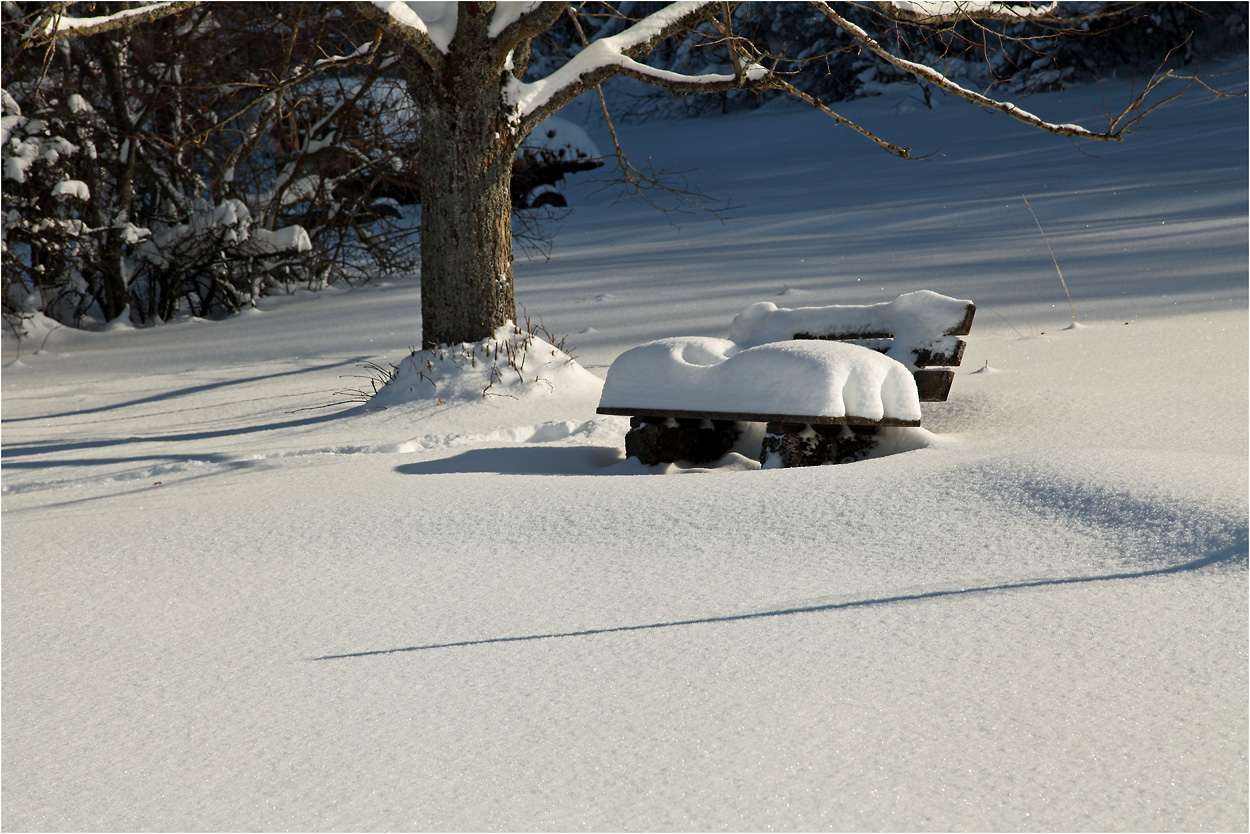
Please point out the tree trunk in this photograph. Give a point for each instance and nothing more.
(466, 235)
(116, 291)
(466, 204)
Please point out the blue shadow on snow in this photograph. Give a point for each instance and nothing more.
(1233, 554)
(522, 460)
(181, 392)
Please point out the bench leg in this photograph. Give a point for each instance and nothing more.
(659, 440)
(796, 444)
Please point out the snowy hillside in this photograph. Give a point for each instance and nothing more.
(223, 611)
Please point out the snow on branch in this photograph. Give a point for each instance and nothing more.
(509, 14)
(937, 79)
(363, 54)
(401, 21)
(56, 26)
(435, 20)
(515, 23)
(616, 55)
(932, 13)
(709, 82)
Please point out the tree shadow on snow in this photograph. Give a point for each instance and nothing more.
(1235, 554)
(164, 396)
(34, 448)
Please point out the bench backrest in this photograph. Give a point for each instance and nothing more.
(918, 329)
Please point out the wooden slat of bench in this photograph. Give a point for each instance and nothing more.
(965, 327)
(921, 357)
(882, 340)
(745, 417)
(962, 327)
(934, 386)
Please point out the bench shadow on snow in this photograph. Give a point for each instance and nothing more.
(525, 460)
(605, 460)
(564, 460)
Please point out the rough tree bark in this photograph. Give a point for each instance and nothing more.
(467, 148)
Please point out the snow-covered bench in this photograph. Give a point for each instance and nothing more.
(823, 379)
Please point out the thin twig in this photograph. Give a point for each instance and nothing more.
(1052, 256)
(897, 150)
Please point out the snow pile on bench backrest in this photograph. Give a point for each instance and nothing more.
(917, 321)
(799, 378)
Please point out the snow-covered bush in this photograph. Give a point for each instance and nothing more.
(216, 258)
(70, 251)
(140, 169)
(108, 212)
(343, 164)
(47, 232)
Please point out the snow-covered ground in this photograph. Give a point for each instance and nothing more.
(223, 612)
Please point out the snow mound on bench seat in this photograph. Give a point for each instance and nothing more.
(807, 378)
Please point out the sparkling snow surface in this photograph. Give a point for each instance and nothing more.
(223, 613)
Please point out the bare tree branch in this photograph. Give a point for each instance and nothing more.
(1131, 115)
(365, 54)
(890, 147)
(927, 73)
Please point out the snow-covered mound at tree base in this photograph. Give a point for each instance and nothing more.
(798, 378)
(514, 363)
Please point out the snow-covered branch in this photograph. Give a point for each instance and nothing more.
(680, 82)
(514, 22)
(363, 54)
(401, 22)
(56, 26)
(617, 54)
(944, 11)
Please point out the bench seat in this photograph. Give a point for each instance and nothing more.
(655, 414)
(828, 382)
